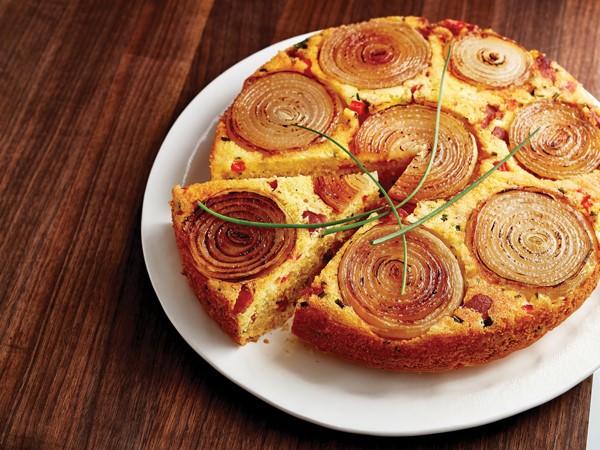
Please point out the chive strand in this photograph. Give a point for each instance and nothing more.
(381, 188)
(282, 225)
(456, 197)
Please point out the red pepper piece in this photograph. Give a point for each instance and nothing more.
(238, 166)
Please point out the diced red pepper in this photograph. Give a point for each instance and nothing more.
(527, 306)
(238, 166)
(273, 184)
(586, 202)
(358, 107)
(503, 168)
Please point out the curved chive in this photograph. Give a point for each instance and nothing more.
(456, 197)
(381, 188)
(282, 225)
(427, 169)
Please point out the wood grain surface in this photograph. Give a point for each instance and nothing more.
(89, 89)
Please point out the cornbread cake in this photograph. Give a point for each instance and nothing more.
(248, 278)
(497, 251)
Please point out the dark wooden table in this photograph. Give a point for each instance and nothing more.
(89, 89)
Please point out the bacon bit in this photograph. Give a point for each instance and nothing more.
(365, 198)
(238, 166)
(273, 184)
(503, 168)
(501, 133)
(545, 67)
(480, 303)
(334, 191)
(456, 26)
(492, 112)
(314, 217)
(244, 300)
(527, 306)
(312, 290)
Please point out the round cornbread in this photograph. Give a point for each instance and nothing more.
(493, 90)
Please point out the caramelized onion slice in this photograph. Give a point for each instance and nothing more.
(370, 279)
(375, 54)
(335, 191)
(232, 252)
(566, 145)
(402, 131)
(260, 116)
(490, 60)
(531, 237)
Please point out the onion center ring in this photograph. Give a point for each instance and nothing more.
(566, 145)
(261, 115)
(490, 60)
(530, 237)
(232, 252)
(370, 278)
(373, 55)
(408, 132)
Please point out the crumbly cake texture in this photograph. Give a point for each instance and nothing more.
(248, 309)
(512, 315)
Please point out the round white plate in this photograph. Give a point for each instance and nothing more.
(318, 388)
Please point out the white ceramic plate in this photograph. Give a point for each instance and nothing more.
(321, 389)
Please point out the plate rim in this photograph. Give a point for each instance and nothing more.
(250, 64)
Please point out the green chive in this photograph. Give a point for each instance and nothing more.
(383, 191)
(456, 197)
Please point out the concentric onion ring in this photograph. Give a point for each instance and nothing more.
(409, 130)
(232, 252)
(373, 55)
(370, 279)
(566, 145)
(531, 237)
(261, 114)
(490, 60)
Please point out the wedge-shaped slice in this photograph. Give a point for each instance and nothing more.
(248, 277)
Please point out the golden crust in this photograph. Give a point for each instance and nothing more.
(516, 317)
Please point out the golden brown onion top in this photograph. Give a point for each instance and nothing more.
(566, 145)
(409, 130)
(260, 116)
(370, 279)
(376, 54)
(531, 237)
(232, 252)
(490, 60)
